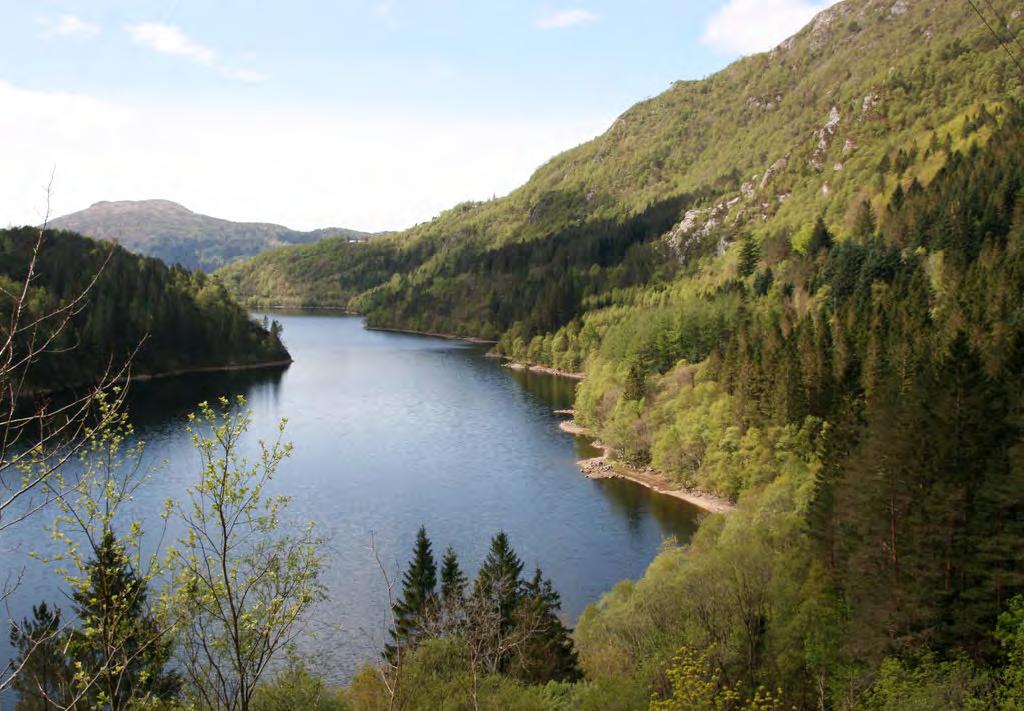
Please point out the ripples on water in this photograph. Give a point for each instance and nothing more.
(392, 431)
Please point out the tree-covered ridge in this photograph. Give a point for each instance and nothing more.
(840, 113)
(162, 318)
(176, 235)
(861, 397)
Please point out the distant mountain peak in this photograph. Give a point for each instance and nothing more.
(171, 232)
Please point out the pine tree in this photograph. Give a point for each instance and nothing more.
(453, 582)
(119, 641)
(418, 589)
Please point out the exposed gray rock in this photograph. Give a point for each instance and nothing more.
(773, 170)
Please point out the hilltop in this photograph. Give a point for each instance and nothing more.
(176, 235)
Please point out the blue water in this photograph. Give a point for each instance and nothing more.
(392, 431)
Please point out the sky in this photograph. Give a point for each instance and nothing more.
(368, 114)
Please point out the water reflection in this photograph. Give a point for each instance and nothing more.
(394, 431)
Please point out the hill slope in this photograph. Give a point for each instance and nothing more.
(176, 235)
(182, 320)
(836, 114)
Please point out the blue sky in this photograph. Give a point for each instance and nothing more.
(371, 114)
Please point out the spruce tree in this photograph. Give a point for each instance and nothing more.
(864, 223)
(750, 253)
(453, 582)
(499, 577)
(120, 642)
(549, 655)
(418, 589)
(821, 238)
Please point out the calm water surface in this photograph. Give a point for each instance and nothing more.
(392, 431)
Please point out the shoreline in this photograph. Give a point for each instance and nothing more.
(145, 377)
(516, 365)
(432, 334)
(604, 467)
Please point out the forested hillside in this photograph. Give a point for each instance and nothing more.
(181, 319)
(837, 114)
(176, 235)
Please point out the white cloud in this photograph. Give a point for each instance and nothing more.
(67, 26)
(565, 18)
(302, 168)
(749, 26)
(168, 39)
(246, 76)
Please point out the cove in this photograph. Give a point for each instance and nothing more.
(393, 431)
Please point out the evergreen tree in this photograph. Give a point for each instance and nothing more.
(120, 642)
(636, 382)
(44, 682)
(453, 582)
(418, 589)
(821, 238)
(499, 577)
(864, 223)
(750, 253)
(549, 655)
(896, 201)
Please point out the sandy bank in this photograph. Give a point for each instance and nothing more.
(515, 365)
(604, 467)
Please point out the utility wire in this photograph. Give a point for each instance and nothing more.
(996, 35)
(1006, 24)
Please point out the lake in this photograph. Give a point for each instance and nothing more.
(393, 431)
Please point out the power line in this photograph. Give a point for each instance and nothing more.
(996, 35)
(1005, 23)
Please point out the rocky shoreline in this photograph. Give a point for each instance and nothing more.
(516, 365)
(605, 467)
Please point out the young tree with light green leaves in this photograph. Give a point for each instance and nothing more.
(118, 653)
(243, 579)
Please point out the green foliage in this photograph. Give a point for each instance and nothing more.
(698, 686)
(825, 122)
(864, 419)
(502, 646)
(118, 655)
(453, 581)
(46, 676)
(163, 319)
(242, 582)
(296, 687)
(418, 591)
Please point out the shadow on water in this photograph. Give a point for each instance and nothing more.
(154, 402)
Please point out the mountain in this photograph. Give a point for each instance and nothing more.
(176, 235)
(797, 284)
(766, 144)
(163, 319)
